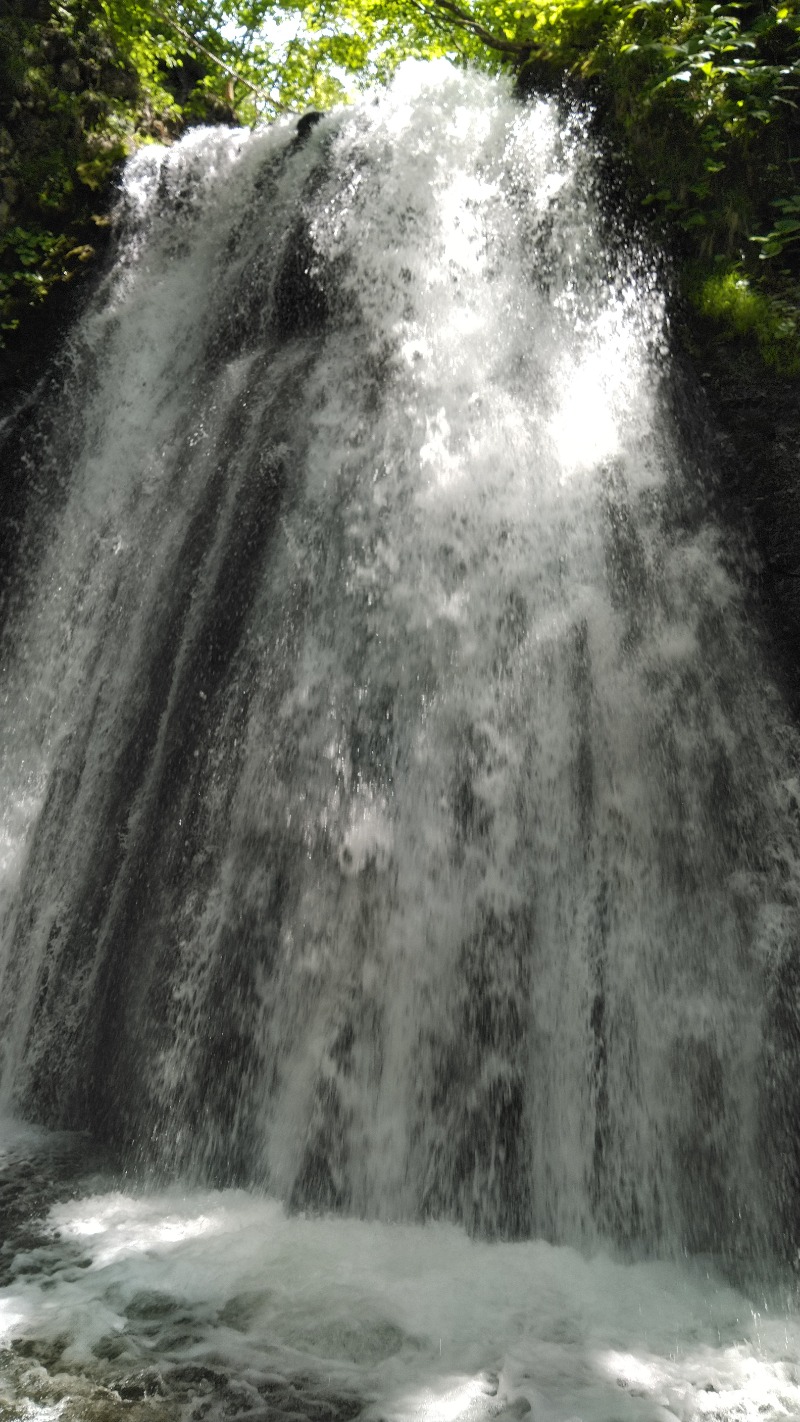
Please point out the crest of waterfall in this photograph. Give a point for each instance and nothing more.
(396, 813)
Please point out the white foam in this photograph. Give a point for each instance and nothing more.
(417, 1320)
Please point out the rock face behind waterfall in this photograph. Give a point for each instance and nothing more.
(396, 814)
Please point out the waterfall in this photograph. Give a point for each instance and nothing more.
(398, 818)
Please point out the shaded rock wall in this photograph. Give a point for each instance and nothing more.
(752, 428)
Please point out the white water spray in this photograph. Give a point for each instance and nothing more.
(395, 814)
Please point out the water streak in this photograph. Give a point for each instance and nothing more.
(396, 814)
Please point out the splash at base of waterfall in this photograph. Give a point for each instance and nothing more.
(217, 1304)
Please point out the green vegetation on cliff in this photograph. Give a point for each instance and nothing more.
(77, 93)
(700, 100)
(82, 82)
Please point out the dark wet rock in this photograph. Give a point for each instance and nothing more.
(178, 1338)
(322, 1181)
(34, 1175)
(111, 1347)
(300, 303)
(255, 1397)
(151, 1304)
(472, 817)
(479, 1092)
(753, 441)
(512, 628)
(700, 1144)
(198, 1375)
(45, 1353)
(241, 1398)
(520, 1407)
(241, 1309)
(307, 1397)
(136, 1386)
(305, 125)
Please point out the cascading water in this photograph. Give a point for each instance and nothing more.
(397, 818)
